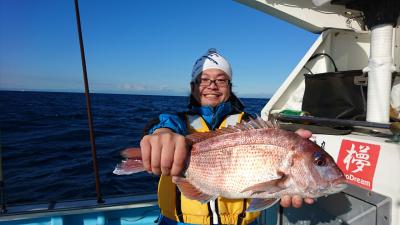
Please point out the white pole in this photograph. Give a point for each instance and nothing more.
(380, 68)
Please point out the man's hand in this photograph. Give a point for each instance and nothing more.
(296, 201)
(164, 152)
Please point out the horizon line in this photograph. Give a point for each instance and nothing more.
(122, 93)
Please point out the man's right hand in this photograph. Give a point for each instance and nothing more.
(164, 152)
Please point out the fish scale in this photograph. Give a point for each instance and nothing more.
(233, 169)
(274, 137)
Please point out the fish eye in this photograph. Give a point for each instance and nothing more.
(320, 162)
(319, 159)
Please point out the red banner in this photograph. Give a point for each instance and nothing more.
(358, 161)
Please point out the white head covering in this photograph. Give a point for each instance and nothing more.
(211, 60)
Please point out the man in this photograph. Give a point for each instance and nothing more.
(164, 151)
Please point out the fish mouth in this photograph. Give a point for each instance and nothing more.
(339, 187)
(339, 184)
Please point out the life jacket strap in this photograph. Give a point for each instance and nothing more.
(178, 207)
(242, 215)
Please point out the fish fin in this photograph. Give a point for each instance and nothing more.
(273, 119)
(199, 136)
(190, 191)
(129, 166)
(258, 204)
(271, 186)
(132, 153)
(252, 124)
(257, 123)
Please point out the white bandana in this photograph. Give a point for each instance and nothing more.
(211, 60)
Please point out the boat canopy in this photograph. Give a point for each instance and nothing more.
(319, 15)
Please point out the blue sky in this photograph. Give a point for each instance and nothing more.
(142, 46)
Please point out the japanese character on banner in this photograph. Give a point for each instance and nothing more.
(360, 158)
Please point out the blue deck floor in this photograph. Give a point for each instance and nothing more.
(136, 216)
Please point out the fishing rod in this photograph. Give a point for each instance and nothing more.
(322, 125)
(331, 121)
(88, 105)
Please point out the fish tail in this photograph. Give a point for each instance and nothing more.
(129, 166)
(131, 153)
(132, 164)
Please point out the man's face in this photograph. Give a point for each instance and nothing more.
(211, 94)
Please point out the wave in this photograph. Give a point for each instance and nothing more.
(46, 146)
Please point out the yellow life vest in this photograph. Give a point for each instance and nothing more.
(177, 207)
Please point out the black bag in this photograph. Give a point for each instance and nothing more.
(339, 94)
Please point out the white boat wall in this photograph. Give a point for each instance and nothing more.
(368, 154)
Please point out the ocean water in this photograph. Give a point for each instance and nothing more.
(46, 150)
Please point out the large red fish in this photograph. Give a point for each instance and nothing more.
(251, 160)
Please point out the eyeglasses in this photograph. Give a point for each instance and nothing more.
(204, 82)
